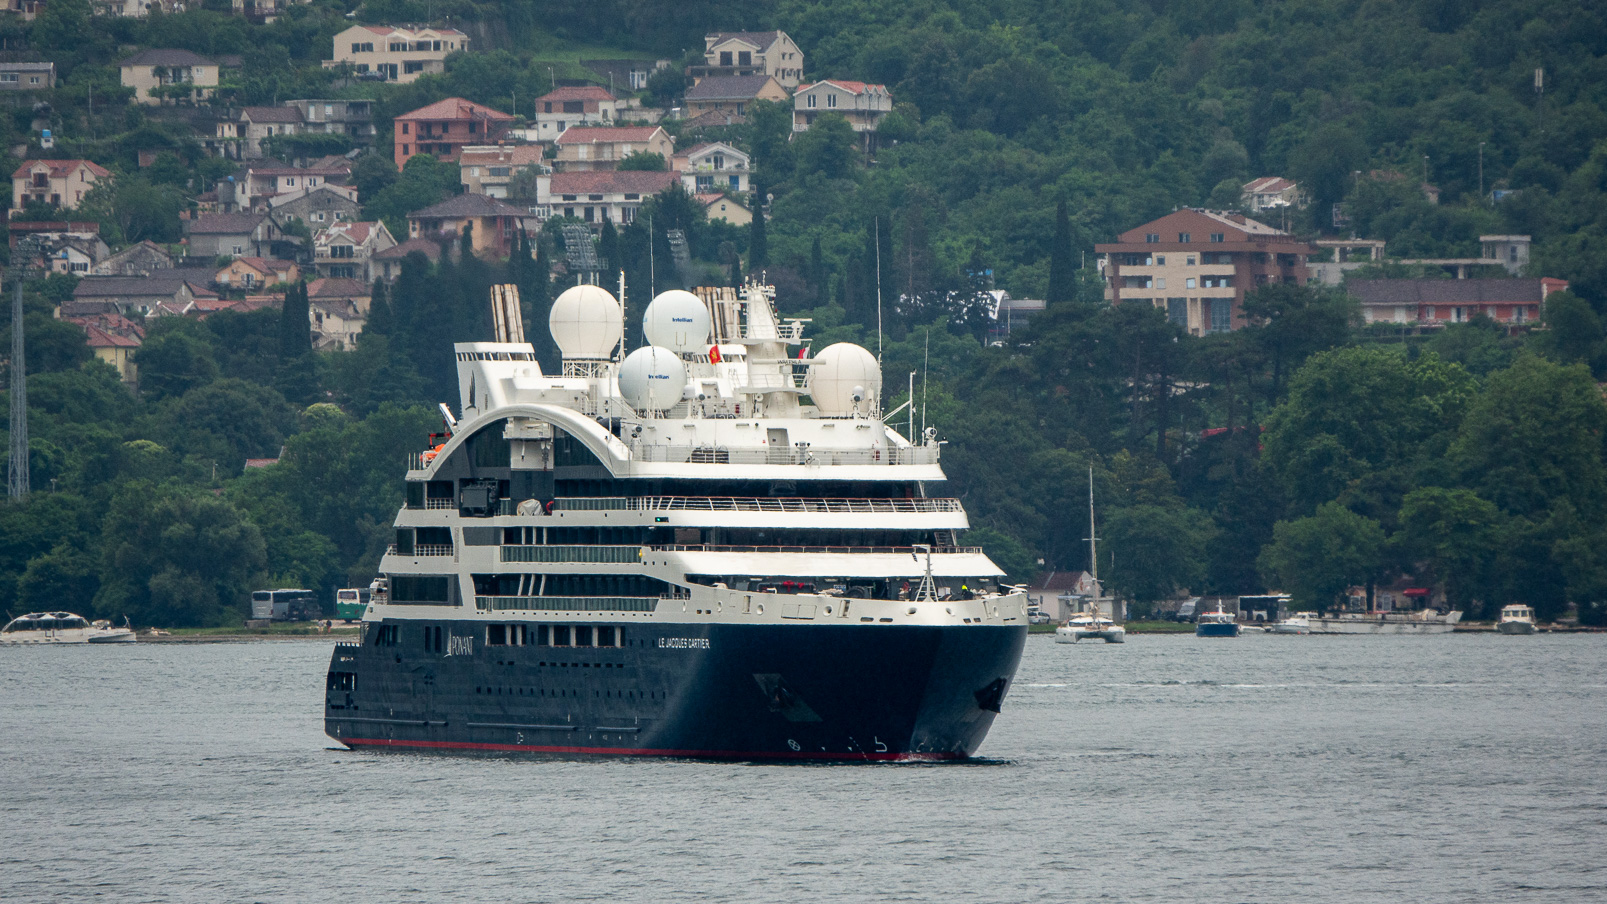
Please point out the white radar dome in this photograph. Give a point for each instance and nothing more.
(586, 322)
(652, 378)
(677, 320)
(839, 373)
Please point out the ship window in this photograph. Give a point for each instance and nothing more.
(385, 636)
(543, 636)
(421, 589)
(481, 536)
(404, 541)
(343, 681)
(415, 494)
(583, 635)
(496, 635)
(608, 636)
(560, 635)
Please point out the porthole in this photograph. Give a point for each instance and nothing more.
(761, 608)
(828, 610)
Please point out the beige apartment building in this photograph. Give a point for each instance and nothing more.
(395, 54)
(168, 69)
(770, 53)
(60, 182)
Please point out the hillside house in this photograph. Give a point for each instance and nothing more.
(489, 169)
(747, 53)
(62, 183)
(257, 123)
(445, 127)
(492, 222)
(164, 291)
(337, 308)
(713, 167)
(1197, 265)
(254, 189)
(76, 255)
(1271, 193)
(863, 105)
(393, 54)
(114, 339)
(346, 250)
(316, 207)
(389, 261)
(568, 106)
(27, 76)
(135, 260)
(602, 147)
(257, 273)
(597, 196)
(159, 76)
(231, 235)
(352, 118)
(726, 208)
(732, 94)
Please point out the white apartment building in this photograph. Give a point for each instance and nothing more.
(395, 54)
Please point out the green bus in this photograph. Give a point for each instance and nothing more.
(351, 603)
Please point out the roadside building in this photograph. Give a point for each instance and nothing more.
(1437, 302)
(27, 76)
(1197, 265)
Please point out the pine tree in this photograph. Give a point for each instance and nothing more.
(736, 271)
(1062, 278)
(295, 326)
(380, 320)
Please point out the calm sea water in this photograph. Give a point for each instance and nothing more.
(1425, 769)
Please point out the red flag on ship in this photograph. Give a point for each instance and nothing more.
(714, 354)
(803, 353)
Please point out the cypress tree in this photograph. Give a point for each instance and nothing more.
(758, 244)
(818, 276)
(380, 321)
(736, 271)
(1062, 277)
(295, 326)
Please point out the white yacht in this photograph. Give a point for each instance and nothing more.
(714, 546)
(1421, 621)
(1298, 623)
(62, 627)
(1518, 619)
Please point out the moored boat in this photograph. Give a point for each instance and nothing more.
(1422, 621)
(1216, 624)
(1298, 623)
(1517, 619)
(62, 627)
(1091, 625)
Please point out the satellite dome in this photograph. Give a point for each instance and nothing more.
(586, 322)
(677, 320)
(839, 373)
(652, 378)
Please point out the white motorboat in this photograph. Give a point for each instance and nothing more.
(1298, 623)
(1091, 625)
(1517, 619)
(1252, 629)
(1216, 624)
(62, 627)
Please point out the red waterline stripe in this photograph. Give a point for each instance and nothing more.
(648, 751)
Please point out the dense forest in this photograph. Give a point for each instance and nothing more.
(1306, 452)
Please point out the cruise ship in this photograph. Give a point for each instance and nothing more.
(714, 546)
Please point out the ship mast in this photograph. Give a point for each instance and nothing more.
(1093, 546)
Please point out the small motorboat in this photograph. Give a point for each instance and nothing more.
(62, 627)
(1518, 619)
(1298, 623)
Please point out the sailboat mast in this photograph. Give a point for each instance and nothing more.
(1093, 548)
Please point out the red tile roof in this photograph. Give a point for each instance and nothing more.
(627, 181)
(61, 168)
(337, 288)
(595, 134)
(455, 108)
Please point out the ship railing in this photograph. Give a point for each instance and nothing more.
(440, 503)
(423, 549)
(625, 555)
(566, 603)
(816, 550)
(791, 504)
(917, 455)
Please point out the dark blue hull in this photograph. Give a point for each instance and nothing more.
(799, 692)
(1216, 630)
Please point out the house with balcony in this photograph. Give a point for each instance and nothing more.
(747, 53)
(158, 76)
(256, 273)
(600, 195)
(254, 188)
(1271, 193)
(864, 105)
(1438, 302)
(713, 167)
(445, 127)
(489, 169)
(568, 106)
(352, 118)
(492, 223)
(589, 148)
(346, 250)
(75, 255)
(1197, 265)
(395, 54)
(338, 308)
(732, 94)
(62, 183)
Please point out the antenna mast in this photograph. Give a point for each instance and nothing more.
(1093, 541)
(877, 223)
